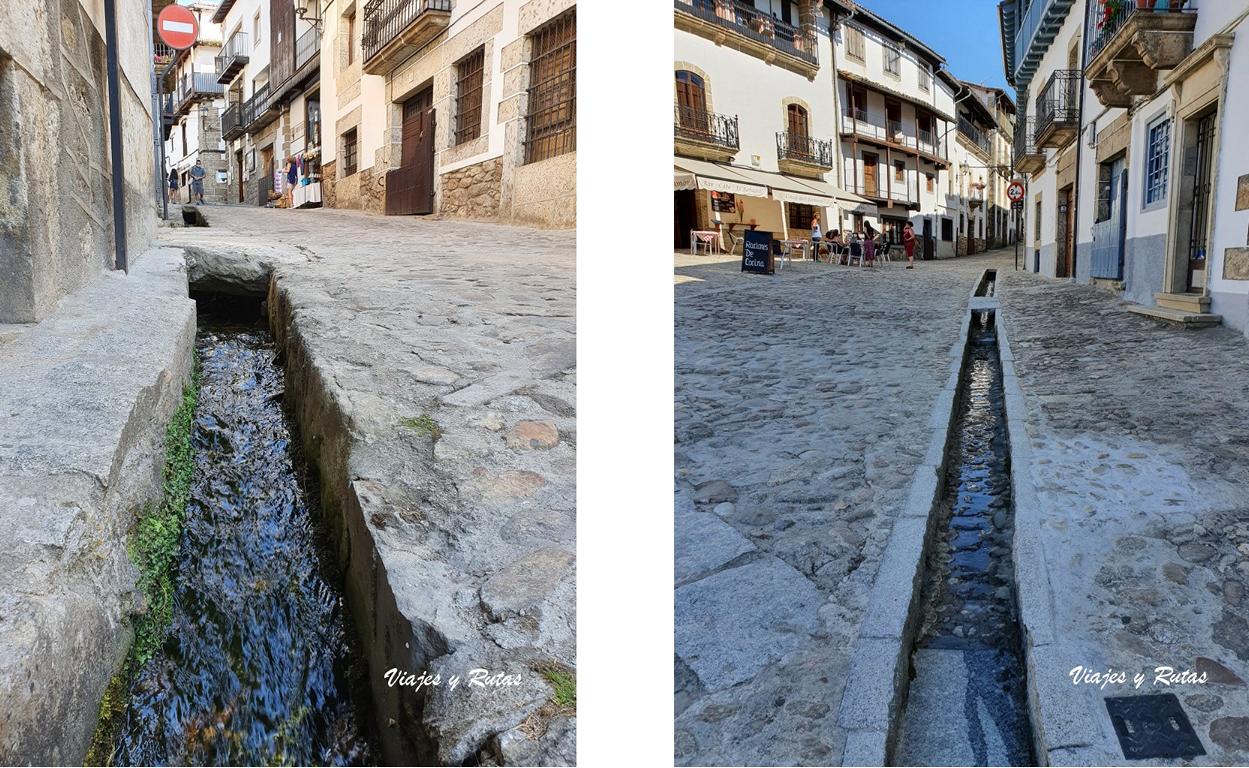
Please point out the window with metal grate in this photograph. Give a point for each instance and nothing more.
(552, 116)
(468, 88)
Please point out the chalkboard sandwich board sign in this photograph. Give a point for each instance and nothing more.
(757, 252)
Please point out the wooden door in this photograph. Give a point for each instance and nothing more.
(797, 120)
(410, 187)
(691, 103)
(238, 174)
(1063, 236)
(870, 184)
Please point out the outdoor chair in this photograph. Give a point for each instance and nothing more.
(856, 252)
(883, 254)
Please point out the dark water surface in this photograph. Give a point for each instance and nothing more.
(968, 597)
(257, 668)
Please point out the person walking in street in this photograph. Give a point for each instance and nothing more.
(816, 235)
(292, 178)
(908, 242)
(173, 184)
(869, 244)
(197, 182)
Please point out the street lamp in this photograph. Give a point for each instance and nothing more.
(309, 11)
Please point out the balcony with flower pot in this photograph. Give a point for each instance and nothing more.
(1132, 41)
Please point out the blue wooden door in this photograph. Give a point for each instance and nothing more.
(1111, 221)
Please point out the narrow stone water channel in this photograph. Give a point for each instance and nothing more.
(967, 701)
(258, 667)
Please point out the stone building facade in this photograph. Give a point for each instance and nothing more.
(56, 228)
(469, 69)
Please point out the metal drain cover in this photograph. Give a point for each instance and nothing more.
(1153, 726)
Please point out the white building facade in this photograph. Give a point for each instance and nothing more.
(783, 110)
(270, 65)
(193, 104)
(1127, 186)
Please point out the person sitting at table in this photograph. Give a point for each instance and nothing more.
(836, 245)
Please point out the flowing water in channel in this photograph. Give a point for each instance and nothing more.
(967, 702)
(257, 668)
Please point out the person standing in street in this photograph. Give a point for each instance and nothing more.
(292, 178)
(869, 244)
(173, 183)
(197, 182)
(908, 242)
(816, 235)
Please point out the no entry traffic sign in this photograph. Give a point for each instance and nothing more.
(1015, 191)
(177, 27)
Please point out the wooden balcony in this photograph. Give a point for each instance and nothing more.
(705, 135)
(396, 29)
(1133, 45)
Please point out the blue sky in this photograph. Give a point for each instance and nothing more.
(965, 32)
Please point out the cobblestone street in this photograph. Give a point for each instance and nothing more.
(802, 412)
(802, 406)
(1140, 441)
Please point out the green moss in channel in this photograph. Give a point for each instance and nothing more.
(423, 425)
(565, 684)
(152, 549)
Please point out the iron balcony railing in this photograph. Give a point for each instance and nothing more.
(232, 120)
(707, 127)
(1059, 102)
(162, 54)
(384, 20)
(749, 22)
(255, 107)
(1106, 24)
(1025, 143)
(973, 134)
(233, 55)
(195, 85)
(925, 138)
(805, 149)
(307, 46)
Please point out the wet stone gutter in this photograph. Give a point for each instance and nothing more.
(433, 580)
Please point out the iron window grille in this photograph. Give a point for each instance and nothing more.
(552, 115)
(468, 87)
(350, 152)
(1158, 157)
(800, 215)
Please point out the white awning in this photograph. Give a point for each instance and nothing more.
(787, 189)
(681, 180)
(717, 177)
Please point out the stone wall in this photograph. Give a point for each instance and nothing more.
(56, 205)
(472, 192)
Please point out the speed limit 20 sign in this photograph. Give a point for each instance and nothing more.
(1015, 191)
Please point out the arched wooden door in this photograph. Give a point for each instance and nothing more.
(691, 104)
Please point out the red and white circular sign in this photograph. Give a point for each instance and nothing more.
(177, 26)
(1015, 191)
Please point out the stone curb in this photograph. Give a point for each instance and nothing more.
(880, 666)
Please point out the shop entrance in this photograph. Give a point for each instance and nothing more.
(410, 187)
(1194, 212)
(685, 216)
